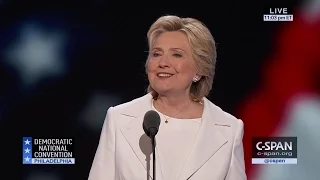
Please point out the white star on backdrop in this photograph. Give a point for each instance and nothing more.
(303, 121)
(311, 10)
(27, 142)
(95, 111)
(27, 159)
(27, 150)
(37, 54)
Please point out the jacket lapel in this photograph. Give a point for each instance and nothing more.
(208, 141)
(137, 139)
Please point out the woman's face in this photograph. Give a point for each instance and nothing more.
(171, 67)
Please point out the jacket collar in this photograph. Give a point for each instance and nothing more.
(145, 105)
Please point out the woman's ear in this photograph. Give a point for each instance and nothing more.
(196, 78)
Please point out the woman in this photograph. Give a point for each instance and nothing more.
(196, 139)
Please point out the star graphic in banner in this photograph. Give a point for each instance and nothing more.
(27, 150)
(27, 142)
(27, 159)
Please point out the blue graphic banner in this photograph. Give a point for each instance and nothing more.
(27, 150)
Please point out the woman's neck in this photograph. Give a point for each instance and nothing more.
(173, 102)
(176, 107)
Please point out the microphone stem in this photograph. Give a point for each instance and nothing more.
(154, 157)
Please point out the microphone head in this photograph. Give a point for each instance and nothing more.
(151, 123)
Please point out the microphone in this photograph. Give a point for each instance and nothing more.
(151, 123)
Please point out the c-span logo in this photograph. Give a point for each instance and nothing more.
(274, 150)
(47, 150)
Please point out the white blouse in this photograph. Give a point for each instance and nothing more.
(174, 142)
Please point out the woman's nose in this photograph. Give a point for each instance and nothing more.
(164, 61)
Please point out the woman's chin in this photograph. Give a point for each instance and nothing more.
(162, 90)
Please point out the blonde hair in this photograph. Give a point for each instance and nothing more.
(203, 50)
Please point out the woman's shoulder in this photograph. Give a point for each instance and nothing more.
(134, 106)
(223, 117)
(231, 126)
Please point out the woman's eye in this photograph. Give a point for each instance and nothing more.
(155, 54)
(177, 55)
